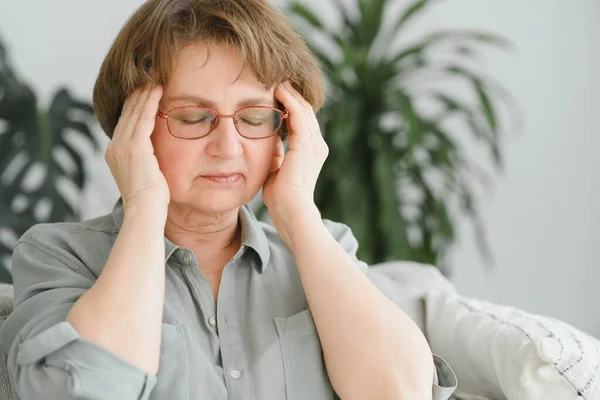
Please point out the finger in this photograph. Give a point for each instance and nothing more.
(147, 120)
(135, 113)
(131, 114)
(132, 100)
(308, 109)
(288, 85)
(121, 129)
(151, 108)
(298, 123)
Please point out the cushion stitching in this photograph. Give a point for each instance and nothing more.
(595, 374)
(518, 328)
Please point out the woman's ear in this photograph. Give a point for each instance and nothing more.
(150, 69)
(147, 64)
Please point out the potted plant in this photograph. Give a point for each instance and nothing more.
(395, 173)
(39, 164)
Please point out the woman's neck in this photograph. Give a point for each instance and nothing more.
(209, 236)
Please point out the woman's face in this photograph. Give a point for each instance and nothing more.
(209, 72)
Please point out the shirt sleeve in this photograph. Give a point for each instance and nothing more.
(444, 380)
(344, 236)
(47, 358)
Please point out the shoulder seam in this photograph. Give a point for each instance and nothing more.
(84, 228)
(57, 256)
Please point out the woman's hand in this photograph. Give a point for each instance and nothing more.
(289, 189)
(130, 154)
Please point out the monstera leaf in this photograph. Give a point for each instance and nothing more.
(41, 162)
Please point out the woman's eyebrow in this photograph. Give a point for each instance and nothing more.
(202, 102)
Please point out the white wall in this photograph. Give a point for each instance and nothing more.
(542, 217)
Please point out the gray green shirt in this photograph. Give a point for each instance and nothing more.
(259, 342)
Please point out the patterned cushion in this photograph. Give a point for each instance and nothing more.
(502, 352)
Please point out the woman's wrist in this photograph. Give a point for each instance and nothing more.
(295, 223)
(150, 214)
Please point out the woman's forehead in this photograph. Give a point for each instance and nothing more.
(198, 100)
(214, 63)
(216, 73)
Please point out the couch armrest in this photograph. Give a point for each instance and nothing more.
(406, 283)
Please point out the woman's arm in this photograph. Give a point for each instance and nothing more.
(122, 311)
(372, 349)
(47, 357)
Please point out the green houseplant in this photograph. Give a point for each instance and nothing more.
(35, 142)
(395, 173)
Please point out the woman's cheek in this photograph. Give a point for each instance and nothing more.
(265, 162)
(177, 166)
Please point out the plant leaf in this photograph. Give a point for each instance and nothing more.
(307, 14)
(366, 180)
(34, 133)
(409, 13)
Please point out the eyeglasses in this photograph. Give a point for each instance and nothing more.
(253, 122)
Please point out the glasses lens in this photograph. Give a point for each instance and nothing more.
(191, 122)
(258, 122)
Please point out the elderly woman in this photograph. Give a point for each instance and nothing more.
(180, 293)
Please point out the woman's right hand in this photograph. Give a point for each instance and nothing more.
(130, 154)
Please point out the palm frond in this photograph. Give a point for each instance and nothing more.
(378, 179)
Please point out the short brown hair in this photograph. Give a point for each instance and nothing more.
(145, 49)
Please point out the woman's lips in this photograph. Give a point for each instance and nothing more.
(225, 179)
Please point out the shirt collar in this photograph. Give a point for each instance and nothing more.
(118, 214)
(253, 235)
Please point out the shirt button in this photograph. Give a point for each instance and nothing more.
(187, 259)
(235, 374)
(212, 321)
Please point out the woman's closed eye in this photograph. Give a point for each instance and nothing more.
(255, 117)
(253, 121)
(194, 119)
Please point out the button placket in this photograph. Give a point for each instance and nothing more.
(230, 340)
(188, 259)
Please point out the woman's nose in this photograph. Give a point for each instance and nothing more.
(225, 141)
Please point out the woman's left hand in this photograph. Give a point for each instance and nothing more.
(289, 189)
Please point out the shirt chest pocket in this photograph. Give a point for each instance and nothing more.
(173, 370)
(304, 368)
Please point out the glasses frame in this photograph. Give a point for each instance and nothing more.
(165, 116)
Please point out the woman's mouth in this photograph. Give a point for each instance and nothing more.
(224, 178)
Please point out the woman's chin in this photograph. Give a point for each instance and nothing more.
(213, 198)
(217, 202)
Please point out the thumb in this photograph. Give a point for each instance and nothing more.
(278, 155)
(267, 187)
